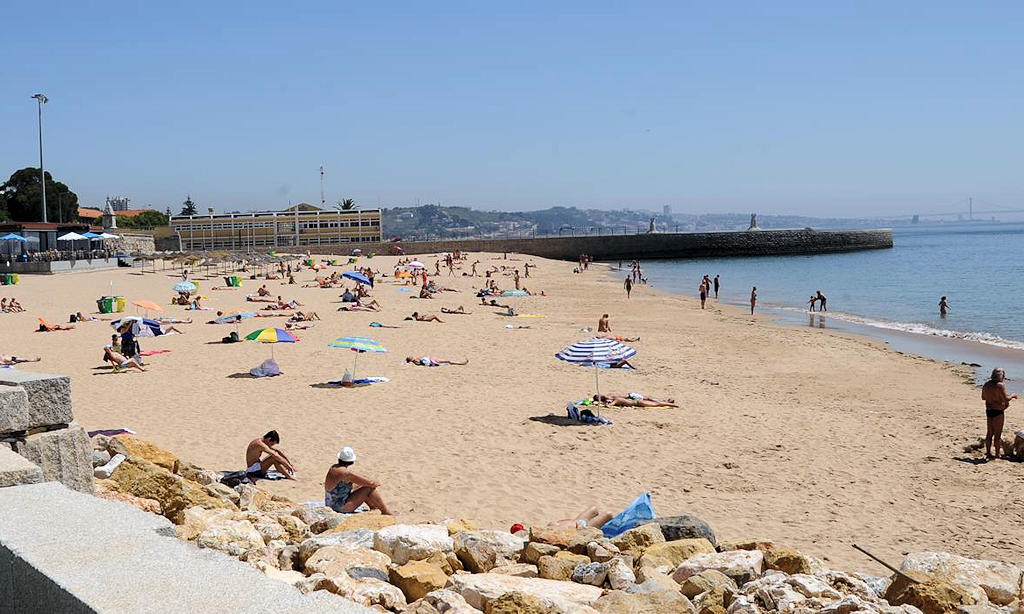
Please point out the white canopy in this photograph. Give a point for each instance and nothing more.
(108, 236)
(72, 236)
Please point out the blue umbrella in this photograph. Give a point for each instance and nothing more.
(141, 327)
(357, 345)
(13, 237)
(363, 279)
(90, 235)
(596, 351)
(184, 286)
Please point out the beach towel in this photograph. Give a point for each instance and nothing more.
(154, 352)
(640, 511)
(584, 415)
(361, 381)
(111, 432)
(268, 368)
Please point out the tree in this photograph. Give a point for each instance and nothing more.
(21, 198)
(146, 219)
(347, 205)
(189, 207)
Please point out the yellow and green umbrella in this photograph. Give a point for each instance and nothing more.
(271, 335)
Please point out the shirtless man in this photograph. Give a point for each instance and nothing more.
(603, 326)
(428, 361)
(943, 307)
(996, 403)
(753, 299)
(822, 299)
(703, 289)
(262, 454)
(493, 303)
(460, 310)
(633, 400)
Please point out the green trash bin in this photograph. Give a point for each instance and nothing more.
(107, 304)
(5, 279)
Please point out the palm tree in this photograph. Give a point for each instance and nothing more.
(347, 205)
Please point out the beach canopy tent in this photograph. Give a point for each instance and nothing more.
(107, 235)
(71, 236)
(90, 235)
(358, 345)
(363, 279)
(595, 352)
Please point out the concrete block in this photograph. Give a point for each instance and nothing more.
(16, 469)
(65, 456)
(49, 396)
(63, 551)
(13, 409)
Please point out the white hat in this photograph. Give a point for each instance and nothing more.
(347, 455)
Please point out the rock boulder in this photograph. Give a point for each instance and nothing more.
(144, 479)
(403, 543)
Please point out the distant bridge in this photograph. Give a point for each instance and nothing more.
(968, 213)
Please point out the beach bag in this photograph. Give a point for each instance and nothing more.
(639, 512)
(73, 318)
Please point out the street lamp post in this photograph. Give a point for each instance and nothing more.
(41, 99)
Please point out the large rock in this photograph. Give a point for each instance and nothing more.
(64, 455)
(366, 591)
(417, 578)
(744, 543)
(295, 530)
(593, 574)
(267, 527)
(705, 581)
(252, 498)
(786, 560)
(572, 539)
(662, 602)
(441, 601)
(137, 447)
(519, 603)
(523, 570)
(197, 519)
(223, 492)
(459, 525)
(668, 555)
(14, 409)
(48, 397)
(403, 543)
(15, 469)
(481, 551)
(480, 589)
(685, 526)
(740, 565)
(106, 489)
(373, 521)
(620, 574)
(231, 536)
(638, 539)
(560, 566)
(931, 596)
(997, 582)
(534, 550)
(360, 538)
(319, 518)
(357, 562)
(175, 494)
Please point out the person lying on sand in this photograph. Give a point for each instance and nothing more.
(361, 306)
(8, 361)
(620, 364)
(460, 310)
(45, 327)
(298, 325)
(633, 399)
(493, 303)
(169, 320)
(308, 316)
(345, 490)
(428, 361)
(618, 338)
(80, 317)
(119, 361)
(424, 318)
(173, 329)
(258, 299)
(261, 455)
(590, 517)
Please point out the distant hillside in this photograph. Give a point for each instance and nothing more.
(434, 221)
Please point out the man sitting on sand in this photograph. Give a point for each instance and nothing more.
(633, 399)
(345, 490)
(119, 361)
(427, 361)
(263, 291)
(257, 464)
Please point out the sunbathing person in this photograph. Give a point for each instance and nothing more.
(263, 291)
(8, 361)
(258, 465)
(493, 303)
(45, 327)
(428, 361)
(618, 338)
(119, 361)
(298, 325)
(14, 306)
(619, 364)
(170, 320)
(590, 517)
(633, 400)
(308, 316)
(361, 306)
(424, 318)
(259, 299)
(460, 310)
(345, 490)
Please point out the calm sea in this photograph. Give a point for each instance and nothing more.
(892, 294)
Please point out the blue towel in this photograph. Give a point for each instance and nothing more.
(578, 415)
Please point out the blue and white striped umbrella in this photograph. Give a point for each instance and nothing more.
(357, 345)
(596, 351)
(141, 327)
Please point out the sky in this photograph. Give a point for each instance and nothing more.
(812, 108)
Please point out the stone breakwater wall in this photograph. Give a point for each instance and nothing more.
(651, 246)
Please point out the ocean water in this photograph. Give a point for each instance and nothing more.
(892, 294)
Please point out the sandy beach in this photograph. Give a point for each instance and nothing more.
(806, 437)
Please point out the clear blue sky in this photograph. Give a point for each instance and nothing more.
(790, 107)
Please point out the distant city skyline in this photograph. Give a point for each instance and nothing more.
(794, 108)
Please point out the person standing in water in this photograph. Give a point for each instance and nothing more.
(822, 299)
(716, 287)
(996, 403)
(753, 299)
(703, 289)
(943, 307)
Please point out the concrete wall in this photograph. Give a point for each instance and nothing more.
(132, 241)
(651, 246)
(59, 266)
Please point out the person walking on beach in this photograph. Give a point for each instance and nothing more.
(257, 463)
(703, 289)
(943, 307)
(753, 299)
(628, 285)
(716, 287)
(996, 403)
(822, 299)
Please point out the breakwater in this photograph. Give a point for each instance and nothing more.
(650, 246)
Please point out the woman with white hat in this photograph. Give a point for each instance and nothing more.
(345, 490)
